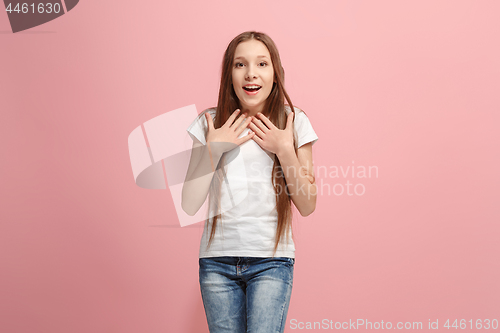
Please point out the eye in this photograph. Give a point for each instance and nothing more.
(238, 64)
(263, 64)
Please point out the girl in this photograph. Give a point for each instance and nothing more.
(253, 154)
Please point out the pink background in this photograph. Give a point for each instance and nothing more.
(409, 87)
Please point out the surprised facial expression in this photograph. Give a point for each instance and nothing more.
(253, 75)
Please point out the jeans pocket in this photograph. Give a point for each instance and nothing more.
(290, 261)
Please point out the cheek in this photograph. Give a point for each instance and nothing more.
(234, 77)
(268, 89)
(270, 81)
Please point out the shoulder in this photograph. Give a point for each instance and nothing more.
(198, 128)
(201, 120)
(299, 113)
(296, 109)
(303, 128)
(211, 111)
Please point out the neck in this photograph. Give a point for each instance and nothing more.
(251, 112)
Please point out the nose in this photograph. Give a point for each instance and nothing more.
(251, 72)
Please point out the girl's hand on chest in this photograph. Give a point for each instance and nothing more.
(271, 138)
(225, 138)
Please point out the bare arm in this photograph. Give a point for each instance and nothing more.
(297, 167)
(299, 175)
(205, 158)
(198, 177)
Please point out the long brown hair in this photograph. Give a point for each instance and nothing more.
(274, 109)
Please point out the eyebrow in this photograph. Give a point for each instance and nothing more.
(261, 56)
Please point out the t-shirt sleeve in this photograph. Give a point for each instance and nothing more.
(199, 126)
(304, 129)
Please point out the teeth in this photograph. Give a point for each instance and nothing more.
(252, 87)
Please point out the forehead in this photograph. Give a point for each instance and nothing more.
(251, 49)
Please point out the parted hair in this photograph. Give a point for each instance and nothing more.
(274, 109)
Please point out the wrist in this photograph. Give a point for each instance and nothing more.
(215, 150)
(285, 151)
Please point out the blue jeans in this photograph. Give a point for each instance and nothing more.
(246, 294)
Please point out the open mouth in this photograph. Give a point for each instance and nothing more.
(252, 88)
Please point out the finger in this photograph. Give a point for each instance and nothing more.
(258, 140)
(243, 126)
(289, 120)
(209, 120)
(231, 118)
(256, 129)
(257, 134)
(260, 125)
(265, 120)
(245, 138)
(238, 121)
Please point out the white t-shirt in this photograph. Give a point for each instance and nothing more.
(247, 227)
